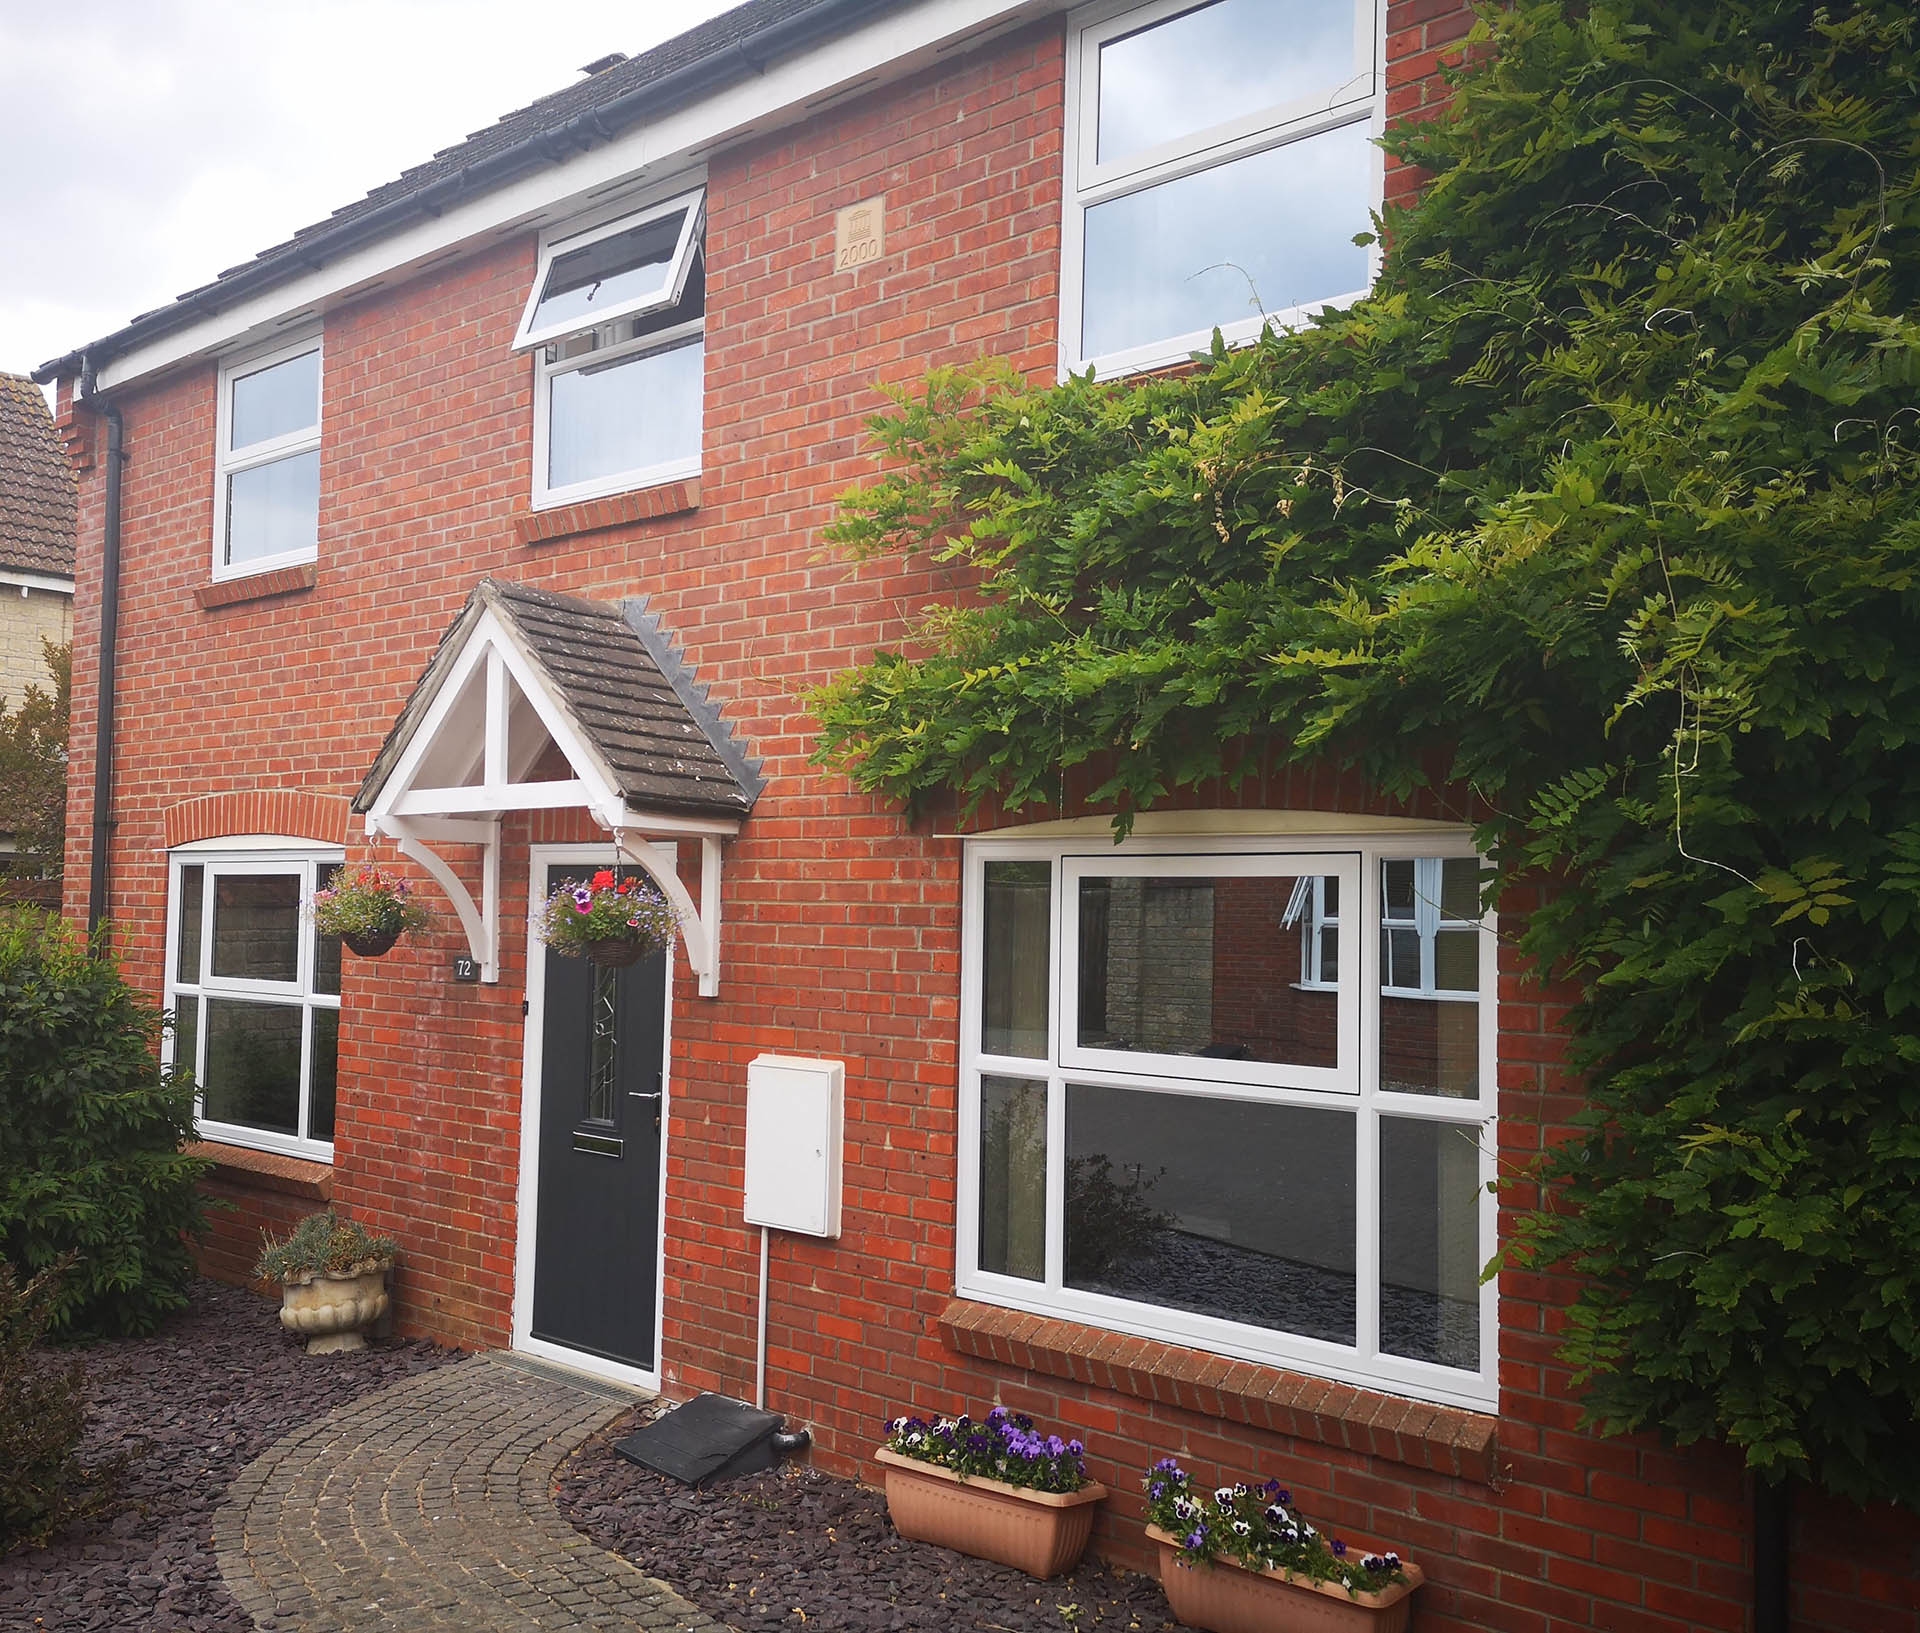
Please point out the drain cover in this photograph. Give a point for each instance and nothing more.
(712, 1437)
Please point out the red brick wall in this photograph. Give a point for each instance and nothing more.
(841, 923)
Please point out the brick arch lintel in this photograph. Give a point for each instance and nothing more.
(290, 811)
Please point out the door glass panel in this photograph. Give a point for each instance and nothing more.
(1016, 936)
(1221, 62)
(276, 401)
(1263, 233)
(1430, 1252)
(605, 1044)
(187, 962)
(253, 1065)
(274, 509)
(1013, 1177)
(627, 415)
(1223, 1207)
(256, 926)
(326, 1072)
(1203, 967)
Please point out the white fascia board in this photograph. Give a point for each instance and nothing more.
(889, 48)
(36, 581)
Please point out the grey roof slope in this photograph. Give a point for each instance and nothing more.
(737, 43)
(628, 691)
(39, 501)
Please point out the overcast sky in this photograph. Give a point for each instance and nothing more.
(146, 145)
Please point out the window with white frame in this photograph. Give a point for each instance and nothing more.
(266, 505)
(1220, 163)
(1199, 1103)
(616, 321)
(255, 991)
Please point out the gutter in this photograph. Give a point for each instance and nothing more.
(718, 68)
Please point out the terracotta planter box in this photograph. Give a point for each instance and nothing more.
(1227, 1598)
(1040, 1532)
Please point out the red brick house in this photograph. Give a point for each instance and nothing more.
(477, 530)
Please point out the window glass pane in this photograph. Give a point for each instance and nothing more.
(633, 265)
(1460, 888)
(1222, 62)
(187, 962)
(1396, 889)
(253, 1065)
(276, 401)
(1430, 1251)
(256, 926)
(1262, 233)
(1456, 960)
(326, 1073)
(274, 509)
(186, 1034)
(1210, 968)
(1015, 935)
(326, 949)
(1430, 1045)
(1013, 1177)
(628, 415)
(1226, 1208)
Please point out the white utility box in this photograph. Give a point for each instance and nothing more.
(796, 1121)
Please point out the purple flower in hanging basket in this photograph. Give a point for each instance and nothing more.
(582, 899)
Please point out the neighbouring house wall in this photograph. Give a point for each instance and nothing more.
(842, 920)
(28, 618)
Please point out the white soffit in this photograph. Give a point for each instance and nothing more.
(891, 47)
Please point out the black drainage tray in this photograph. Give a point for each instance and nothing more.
(712, 1437)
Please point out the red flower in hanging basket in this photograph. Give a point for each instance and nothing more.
(610, 921)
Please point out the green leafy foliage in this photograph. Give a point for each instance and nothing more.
(1600, 516)
(90, 1133)
(327, 1242)
(43, 1415)
(33, 769)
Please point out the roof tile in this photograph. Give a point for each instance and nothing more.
(39, 500)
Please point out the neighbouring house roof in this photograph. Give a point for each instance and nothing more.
(627, 90)
(39, 501)
(623, 685)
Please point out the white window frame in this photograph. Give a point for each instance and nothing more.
(240, 855)
(1088, 183)
(544, 341)
(226, 463)
(1362, 1363)
(1312, 951)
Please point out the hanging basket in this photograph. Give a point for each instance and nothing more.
(615, 953)
(370, 943)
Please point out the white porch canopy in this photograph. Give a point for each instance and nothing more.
(526, 682)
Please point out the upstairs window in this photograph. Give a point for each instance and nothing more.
(266, 503)
(1219, 164)
(616, 319)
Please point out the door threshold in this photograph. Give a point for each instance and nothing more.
(594, 1383)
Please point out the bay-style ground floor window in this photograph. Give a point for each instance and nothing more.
(255, 991)
(1237, 1094)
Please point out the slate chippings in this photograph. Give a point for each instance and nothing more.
(796, 1548)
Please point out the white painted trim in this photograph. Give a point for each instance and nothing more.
(37, 581)
(1086, 183)
(1066, 844)
(887, 49)
(227, 463)
(539, 859)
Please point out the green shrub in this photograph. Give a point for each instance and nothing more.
(42, 1417)
(326, 1241)
(90, 1162)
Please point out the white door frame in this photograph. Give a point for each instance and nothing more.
(540, 858)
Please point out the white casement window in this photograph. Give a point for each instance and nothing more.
(266, 498)
(616, 320)
(1220, 162)
(1199, 1104)
(255, 991)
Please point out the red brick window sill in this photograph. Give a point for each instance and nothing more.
(266, 1170)
(256, 587)
(1444, 1439)
(616, 510)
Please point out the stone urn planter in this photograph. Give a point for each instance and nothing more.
(1226, 1597)
(333, 1311)
(1040, 1532)
(332, 1273)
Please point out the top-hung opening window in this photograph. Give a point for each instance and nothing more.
(1220, 162)
(616, 320)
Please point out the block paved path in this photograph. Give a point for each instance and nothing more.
(427, 1506)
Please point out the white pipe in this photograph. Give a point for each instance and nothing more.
(760, 1354)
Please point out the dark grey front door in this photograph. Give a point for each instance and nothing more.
(596, 1233)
